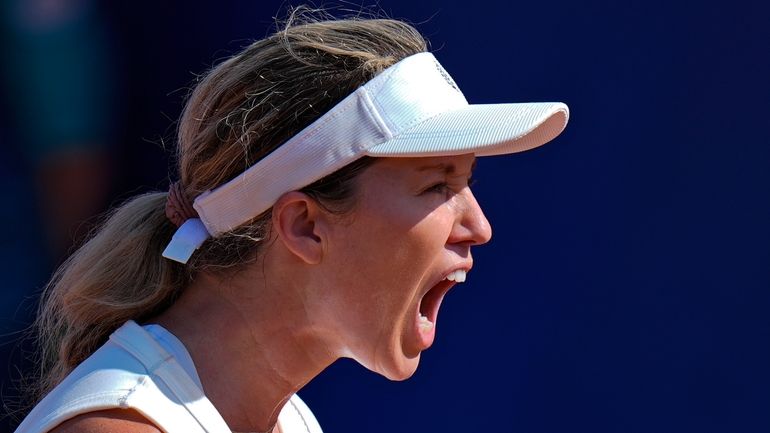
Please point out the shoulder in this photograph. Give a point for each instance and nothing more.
(108, 421)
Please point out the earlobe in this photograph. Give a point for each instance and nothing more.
(296, 222)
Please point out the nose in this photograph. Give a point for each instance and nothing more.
(472, 226)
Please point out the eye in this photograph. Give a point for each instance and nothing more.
(446, 187)
(440, 187)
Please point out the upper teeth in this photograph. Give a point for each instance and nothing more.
(458, 276)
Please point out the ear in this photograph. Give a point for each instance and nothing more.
(299, 223)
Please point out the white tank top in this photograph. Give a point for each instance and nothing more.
(146, 369)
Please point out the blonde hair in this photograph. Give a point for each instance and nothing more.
(240, 111)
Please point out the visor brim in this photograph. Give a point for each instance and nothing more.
(481, 129)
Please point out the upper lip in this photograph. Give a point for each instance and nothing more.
(465, 266)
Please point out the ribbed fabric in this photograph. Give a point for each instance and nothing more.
(176, 349)
(413, 108)
(404, 95)
(484, 130)
(135, 370)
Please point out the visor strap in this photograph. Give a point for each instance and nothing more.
(191, 232)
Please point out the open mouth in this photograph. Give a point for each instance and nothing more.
(431, 301)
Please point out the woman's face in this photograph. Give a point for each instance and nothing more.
(413, 226)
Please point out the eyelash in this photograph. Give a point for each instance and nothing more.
(441, 187)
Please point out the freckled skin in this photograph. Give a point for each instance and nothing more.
(406, 230)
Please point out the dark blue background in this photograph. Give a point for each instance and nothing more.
(626, 285)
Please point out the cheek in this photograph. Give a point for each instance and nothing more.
(399, 246)
(381, 263)
(379, 260)
(382, 256)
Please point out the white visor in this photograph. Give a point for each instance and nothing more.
(411, 109)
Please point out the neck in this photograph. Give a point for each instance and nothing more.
(253, 347)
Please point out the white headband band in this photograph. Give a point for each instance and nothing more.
(411, 109)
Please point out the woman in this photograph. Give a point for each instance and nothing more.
(323, 211)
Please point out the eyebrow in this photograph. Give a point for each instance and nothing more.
(447, 168)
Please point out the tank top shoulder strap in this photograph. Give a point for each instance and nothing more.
(163, 367)
(130, 371)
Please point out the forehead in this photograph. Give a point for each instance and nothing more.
(447, 165)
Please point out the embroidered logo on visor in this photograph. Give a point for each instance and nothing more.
(446, 76)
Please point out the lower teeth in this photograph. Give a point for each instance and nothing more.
(424, 323)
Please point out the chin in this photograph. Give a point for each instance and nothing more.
(399, 370)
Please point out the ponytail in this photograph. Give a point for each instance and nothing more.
(117, 275)
(240, 111)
